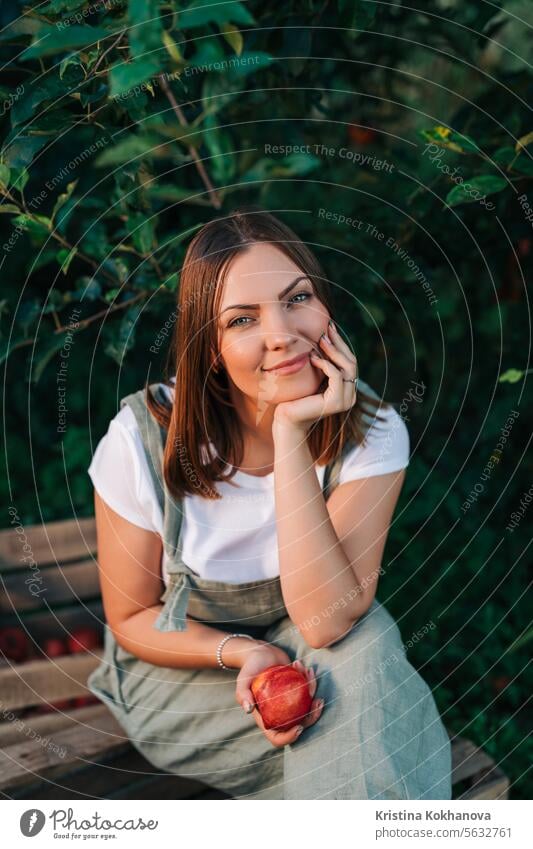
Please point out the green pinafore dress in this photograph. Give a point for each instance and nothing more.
(380, 735)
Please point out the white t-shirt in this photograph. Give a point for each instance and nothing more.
(233, 539)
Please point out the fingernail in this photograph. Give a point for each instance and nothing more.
(326, 338)
(299, 730)
(321, 703)
(248, 708)
(330, 324)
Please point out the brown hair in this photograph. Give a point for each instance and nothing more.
(202, 411)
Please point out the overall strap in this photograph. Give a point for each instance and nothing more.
(332, 472)
(153, 438)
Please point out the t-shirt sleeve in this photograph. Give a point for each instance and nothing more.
(386, 449)
(120, 474)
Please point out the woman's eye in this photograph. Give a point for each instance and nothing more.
(305, 295)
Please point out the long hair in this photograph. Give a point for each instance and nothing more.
(202, 410)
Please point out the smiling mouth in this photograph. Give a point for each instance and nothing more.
(297, 361)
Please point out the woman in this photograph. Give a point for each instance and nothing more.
(259, 495)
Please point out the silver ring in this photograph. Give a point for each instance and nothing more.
(351, 380)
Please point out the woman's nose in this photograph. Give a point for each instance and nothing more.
(278, 328)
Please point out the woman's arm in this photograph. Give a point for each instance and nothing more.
(329, 556)
(129, 560)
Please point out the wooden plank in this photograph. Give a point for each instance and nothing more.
(44, 681)
(159, 787)
(491, 784)
(25, 761)
(49, 724)
(116, 776)
(467, 759)
(56, 585)
(211, 793)
(53, 542)
(59, 621)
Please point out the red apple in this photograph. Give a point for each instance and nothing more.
(82, 701)
(84, 639)
(282, 696)
(361, 135)
(54, 647)
(53, 707)
(14, 644)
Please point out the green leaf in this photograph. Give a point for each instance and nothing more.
(132, 147)
(37, 225)
(5, 174)
(474, 190)
(512, 375)
(170, 193)
(142, 233)
(233, 36)
(111, 295)
(65, 257)
(51, 39)
(45, 350)
(524, 141)
(28, 313)
(203, 12)
(73, 60)
(296, 164)
(145, 31)
(89, 288)
(447, 138)
(121, 339)
(520, 642)
(172, 49)
(220, 146)
(21, 177)
(62, 199)
(20, 152)
(58, 6)
(514, 161)
(52, 88)
(124, 77)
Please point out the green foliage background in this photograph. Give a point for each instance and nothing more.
(127, 125)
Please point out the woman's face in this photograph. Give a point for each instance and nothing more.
(283, 319)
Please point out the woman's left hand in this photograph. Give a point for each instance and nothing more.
(338, 365)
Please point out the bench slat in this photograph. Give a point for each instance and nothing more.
(59, 621)
(48, 724)
(115, 776)
(467, 759)
(24, 761)
(54, 542)
(493, 786)
(77, 580)
(44, 681)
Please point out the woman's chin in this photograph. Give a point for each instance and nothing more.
(293, 393)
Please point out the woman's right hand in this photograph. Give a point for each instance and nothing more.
(258, 659)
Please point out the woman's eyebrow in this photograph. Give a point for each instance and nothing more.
(280, 296)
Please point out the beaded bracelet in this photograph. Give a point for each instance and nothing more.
(223, 642)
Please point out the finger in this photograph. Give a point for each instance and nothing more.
(312, 682)
(285, 738)
(339, 356)
(336, 337)
(309, 674)
(314, 714)
(327, 366)
(278, 738)
(245, 698)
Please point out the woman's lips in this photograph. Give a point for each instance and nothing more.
(294, 367)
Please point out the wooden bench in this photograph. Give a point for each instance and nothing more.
(79, 751)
